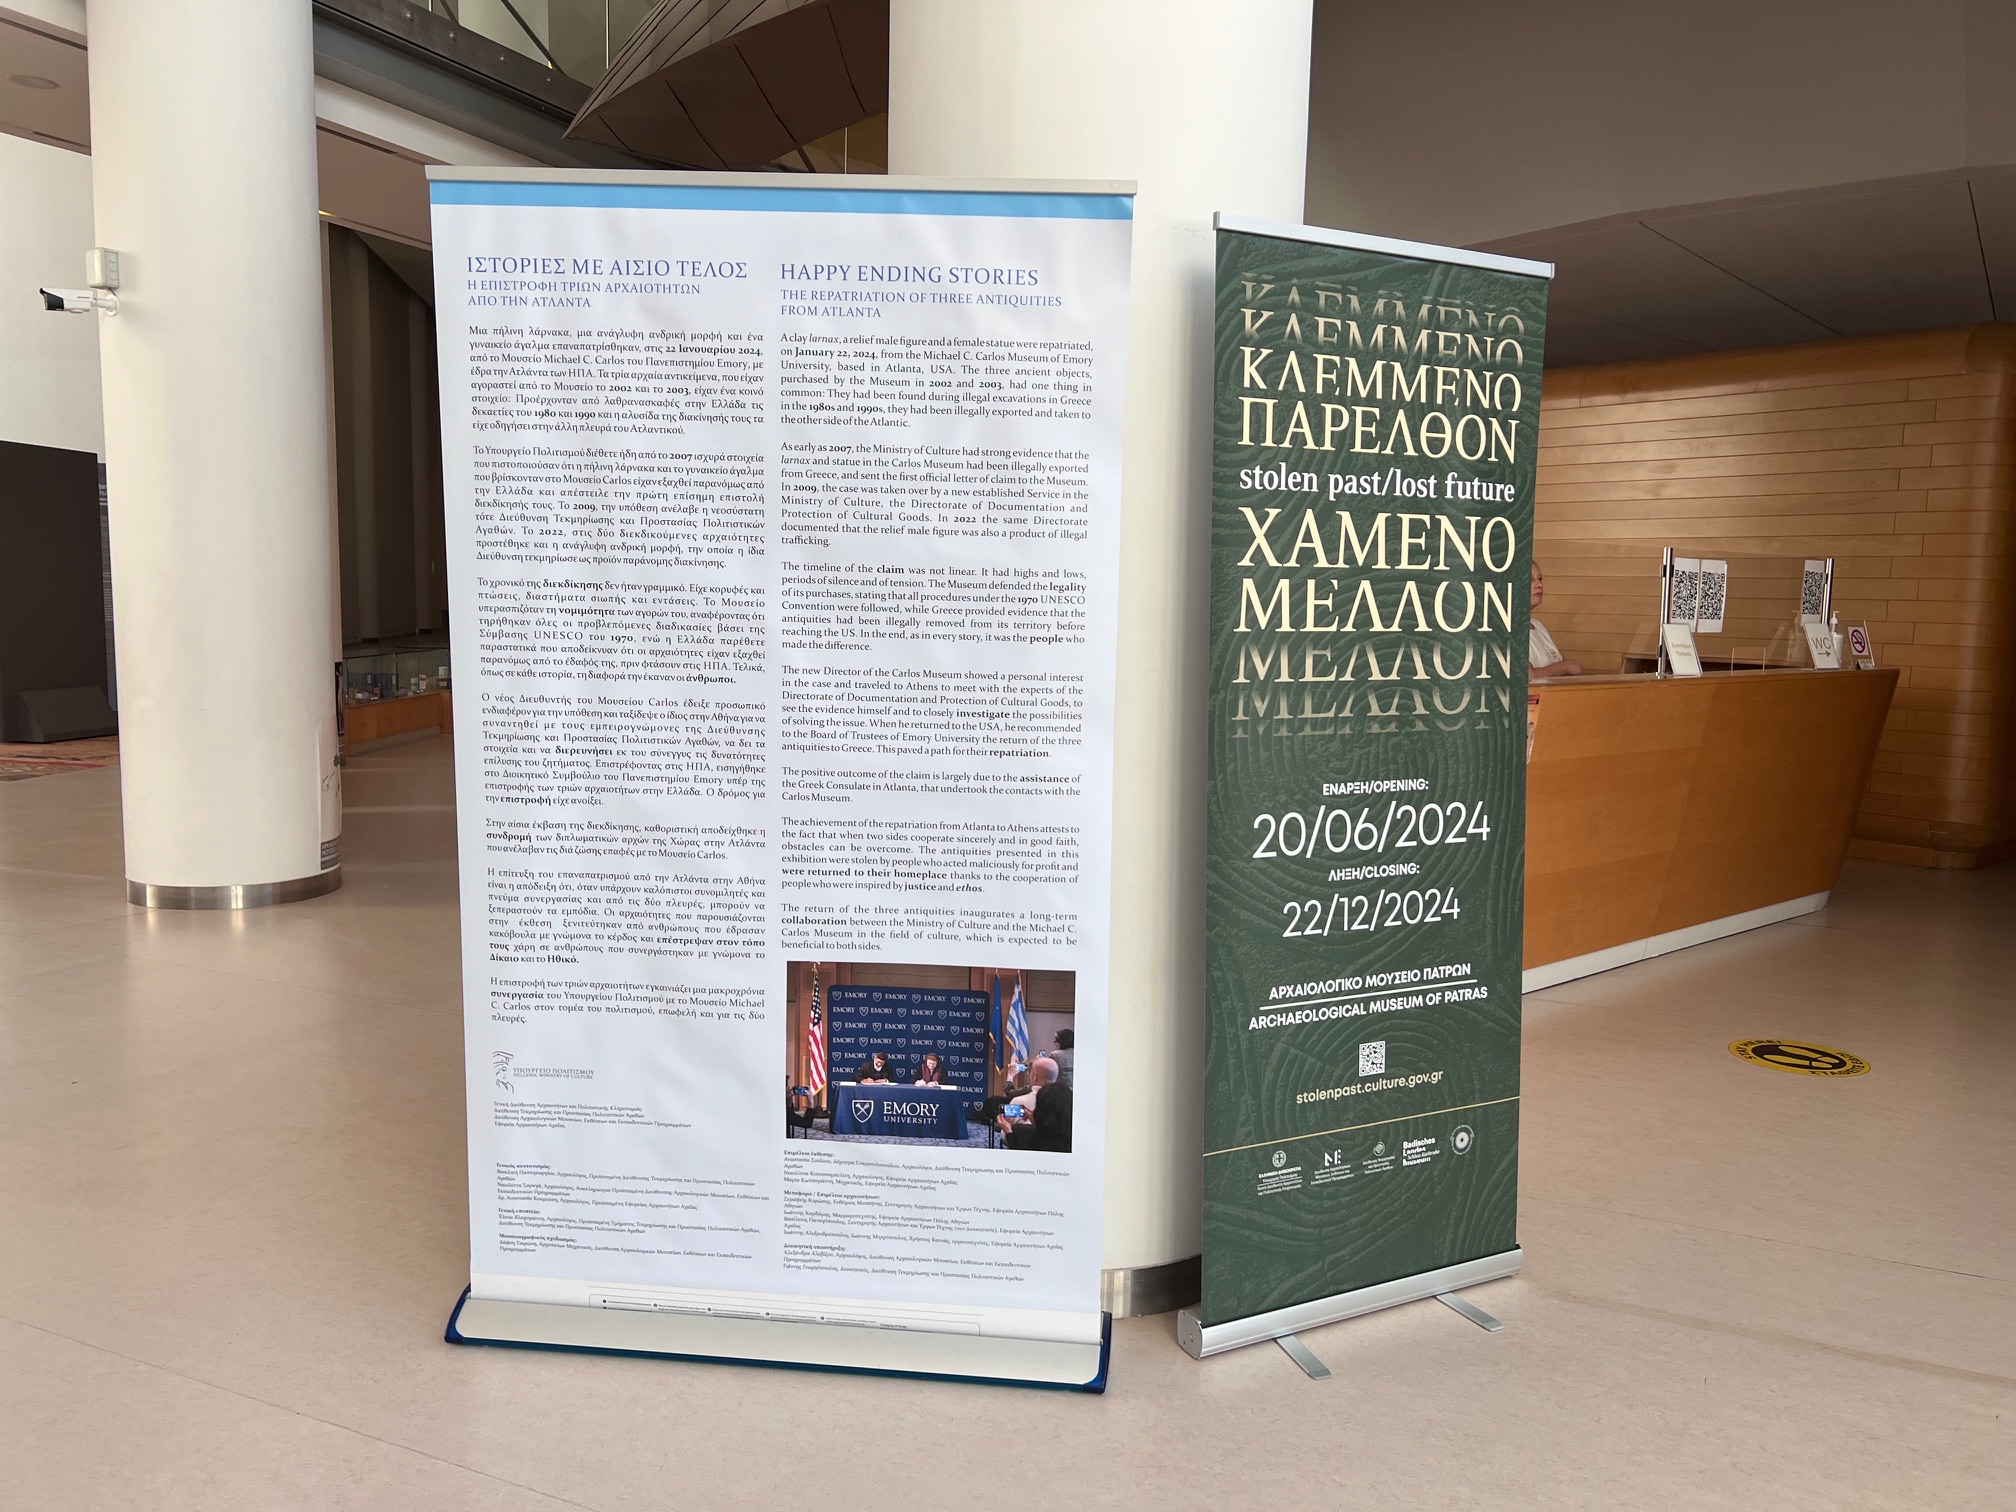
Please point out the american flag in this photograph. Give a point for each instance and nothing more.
(1018, 1028)
(815, 1041)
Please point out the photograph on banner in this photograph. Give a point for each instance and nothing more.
(1369, 725)
(783, 525)
(885, 1053)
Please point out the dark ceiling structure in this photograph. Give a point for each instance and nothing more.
(740, 83)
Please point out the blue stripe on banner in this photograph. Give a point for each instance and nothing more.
(804, 201)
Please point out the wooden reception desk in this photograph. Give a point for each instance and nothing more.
(367, 726)
(1664, 812)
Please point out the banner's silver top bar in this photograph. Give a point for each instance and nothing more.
(705, 180)
(1359, 241)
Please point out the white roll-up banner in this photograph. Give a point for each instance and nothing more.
(783, 548)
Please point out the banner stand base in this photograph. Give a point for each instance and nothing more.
(773, 1342)
(1200, 1340)
(1304, 1356)
(1471, 1311)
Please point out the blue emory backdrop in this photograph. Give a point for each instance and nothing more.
(909, 1023)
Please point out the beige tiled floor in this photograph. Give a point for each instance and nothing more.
(231, 1216)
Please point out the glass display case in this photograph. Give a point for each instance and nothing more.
(375, 673)
(1744, 613)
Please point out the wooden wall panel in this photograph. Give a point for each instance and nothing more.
(1896, 456)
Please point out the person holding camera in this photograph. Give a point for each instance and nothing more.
(1039, 1119)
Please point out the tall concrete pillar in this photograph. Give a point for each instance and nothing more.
(1205, 104)
(216, 441)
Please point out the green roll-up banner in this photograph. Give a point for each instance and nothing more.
(1376, 412)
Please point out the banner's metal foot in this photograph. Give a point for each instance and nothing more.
(1201, 1340)
(1471, 1311)
(1300, 1353)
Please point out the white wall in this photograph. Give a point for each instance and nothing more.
(48, 363)
(1465, 121)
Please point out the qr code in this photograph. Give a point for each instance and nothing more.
(1372, 1058)
(1813, 592)
(1686, 596)
(1714, 596)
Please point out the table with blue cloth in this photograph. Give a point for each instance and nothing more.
(900, 1112)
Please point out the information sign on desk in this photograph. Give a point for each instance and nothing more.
(1683, 657)
(1376, 413)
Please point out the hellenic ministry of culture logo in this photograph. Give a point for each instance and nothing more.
(1280, 1159)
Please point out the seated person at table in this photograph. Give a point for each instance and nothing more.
(875, 1069)
(1543, 657)
(930, 1071)
(1048, 1124)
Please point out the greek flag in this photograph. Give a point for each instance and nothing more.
(1018, 1028)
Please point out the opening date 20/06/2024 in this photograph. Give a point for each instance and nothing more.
(1339, 831)
(1370, 831)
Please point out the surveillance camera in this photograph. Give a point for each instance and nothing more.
(79, 301)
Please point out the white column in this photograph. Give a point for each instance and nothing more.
(1205, 103)
(216, 440)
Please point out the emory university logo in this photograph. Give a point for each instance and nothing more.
(864, 1109)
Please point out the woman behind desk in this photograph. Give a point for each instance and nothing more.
(930, 1071)
(1543, 657)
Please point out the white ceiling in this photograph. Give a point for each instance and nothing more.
(1897, 254)
(29, 50)
(1858, 260)
(366, 181)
